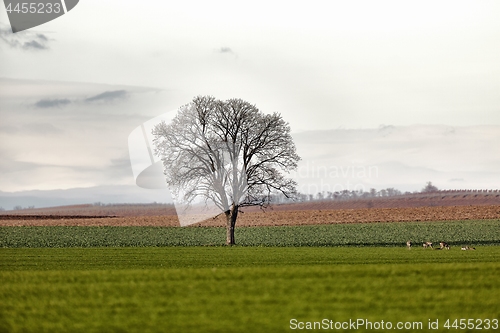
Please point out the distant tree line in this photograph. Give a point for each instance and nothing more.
(21, 207)
(102, 204)
(359, 194)
(340, 195)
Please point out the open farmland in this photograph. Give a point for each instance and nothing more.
(456, 233)
(361, 215)
(244, 289)
(69, 269)
(434, 199)
(438, 206)
(272, 217)
(300, 224)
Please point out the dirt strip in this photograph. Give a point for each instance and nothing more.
(138, 221)
(365, 215)
(282, 218)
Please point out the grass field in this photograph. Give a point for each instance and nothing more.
(243, 289)
(456, 233)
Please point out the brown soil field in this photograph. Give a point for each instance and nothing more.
(436, 199)
(361, 215)
(138, 221)
(275, 217)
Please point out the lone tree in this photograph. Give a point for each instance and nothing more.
(429, 188)
(227, 153)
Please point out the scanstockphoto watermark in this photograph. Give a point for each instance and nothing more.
(316, 178)
(323, 186)
(484, 324)
(356, 324)
(25, 14)
(355, 170)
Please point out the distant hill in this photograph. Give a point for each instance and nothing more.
(76, 196)
(94, 211)
(434, 199)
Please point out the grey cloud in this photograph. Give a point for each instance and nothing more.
(405, 157)
(8, 129)
(120, 168)
(42, 128)
(42, 37)
(33, 45)
(51, 136)
(108, 96)
(385, 130)
(8, 37)
(225, 50)
(24, 40)
(52, 103)
(35, 128)
(11, 166)
(123, 162)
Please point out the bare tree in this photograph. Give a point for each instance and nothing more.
(227, 153)
(429, 188)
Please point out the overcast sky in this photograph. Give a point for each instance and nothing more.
(73, 89)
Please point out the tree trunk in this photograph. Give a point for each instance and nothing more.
(229, 230)
(231, 216)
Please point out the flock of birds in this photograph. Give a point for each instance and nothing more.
(442, 246)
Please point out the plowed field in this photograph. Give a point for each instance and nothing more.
(275, 217)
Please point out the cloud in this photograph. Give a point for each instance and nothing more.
(39, 128)
(66, 134)
(404, 157)
(42, 37)
(225, 50)
(108, 96)
(33, 45)
(8, 37)
(119, 168)
(52, 103)
(8, 129)
(10, 166)
(25, 40)
(385, 130)
(33, 129)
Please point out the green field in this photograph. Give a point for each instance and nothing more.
(279, 279)
(244, 289)
(456, 233)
